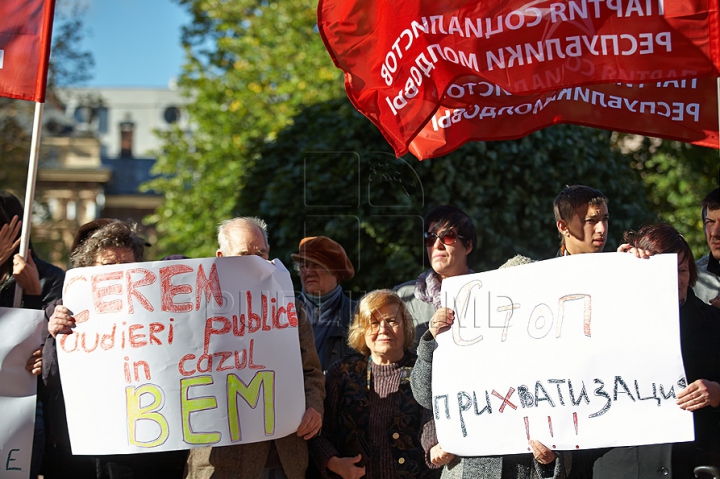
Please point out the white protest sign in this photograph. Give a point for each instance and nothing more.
(180, 354)
(577, 352)
(21, 333)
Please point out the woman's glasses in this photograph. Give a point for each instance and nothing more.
(392, 323)
(448, 237)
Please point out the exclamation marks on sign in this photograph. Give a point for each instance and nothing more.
(527, 430)
(550, 427)
(575, 422)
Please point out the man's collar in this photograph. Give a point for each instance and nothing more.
(713, 265)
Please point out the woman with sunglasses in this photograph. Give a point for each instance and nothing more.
(449, 238)
(542, 463)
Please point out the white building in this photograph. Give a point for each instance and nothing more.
(98, 147)
(123, 119)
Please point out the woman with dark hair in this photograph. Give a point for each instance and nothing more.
(700, 345)
(41, 284)
(41, 281)
(542, 463)
(372, 425)
(102, 242)
(449, 239)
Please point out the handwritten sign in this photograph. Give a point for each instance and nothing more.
(20, 334)
(577, 352)
(180, 354)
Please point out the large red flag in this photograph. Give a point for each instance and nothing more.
(684, 110)
(401, 57)
(25, 35)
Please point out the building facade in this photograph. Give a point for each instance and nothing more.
(98, 146)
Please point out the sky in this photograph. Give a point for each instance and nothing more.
(135, 43)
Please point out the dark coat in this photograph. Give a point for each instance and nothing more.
(347, 413)
(51, 284)
(60, 463)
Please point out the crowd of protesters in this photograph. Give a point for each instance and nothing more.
(367, 364)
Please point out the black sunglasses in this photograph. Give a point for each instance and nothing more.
(448, 237)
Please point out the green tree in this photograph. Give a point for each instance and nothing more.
(69, 63)
(677, 176)
(331, 173)
(14, 146)
(250, 67)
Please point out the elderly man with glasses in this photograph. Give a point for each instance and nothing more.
(322, 265)
(449, 238)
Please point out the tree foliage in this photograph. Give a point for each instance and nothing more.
(14, 144)
(250, 67)
(274, 136)
(69, 64)
(677, 176)
(331, 173)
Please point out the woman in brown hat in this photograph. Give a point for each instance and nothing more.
(322, 265)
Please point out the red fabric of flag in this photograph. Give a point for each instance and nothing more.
(684, 110)
(25, 36)
(401, 57)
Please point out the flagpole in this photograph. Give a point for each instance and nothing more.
(30, 192)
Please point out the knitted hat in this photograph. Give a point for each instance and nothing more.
(327, 253)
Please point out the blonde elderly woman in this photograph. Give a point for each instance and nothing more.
(372, 425)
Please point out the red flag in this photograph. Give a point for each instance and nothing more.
(400, 57)
(684, 110)
(25, 36)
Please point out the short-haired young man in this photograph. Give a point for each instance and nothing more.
(581, 216)
(707, 287)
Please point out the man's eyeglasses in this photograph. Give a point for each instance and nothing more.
(263, 253)
(448, 237)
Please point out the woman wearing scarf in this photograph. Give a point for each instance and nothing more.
(449, 238)
(322, 265)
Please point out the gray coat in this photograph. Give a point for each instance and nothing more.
(516, 466)
(420, 311)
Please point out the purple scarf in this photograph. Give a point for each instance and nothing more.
(428, 285)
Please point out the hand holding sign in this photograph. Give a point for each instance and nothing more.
(699, 394)
(441, 321)
(61, 321)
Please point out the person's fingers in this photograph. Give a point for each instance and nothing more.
(542, 454)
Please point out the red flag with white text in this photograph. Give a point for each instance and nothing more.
(401, 57)
(25, 37)
(684, 110)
